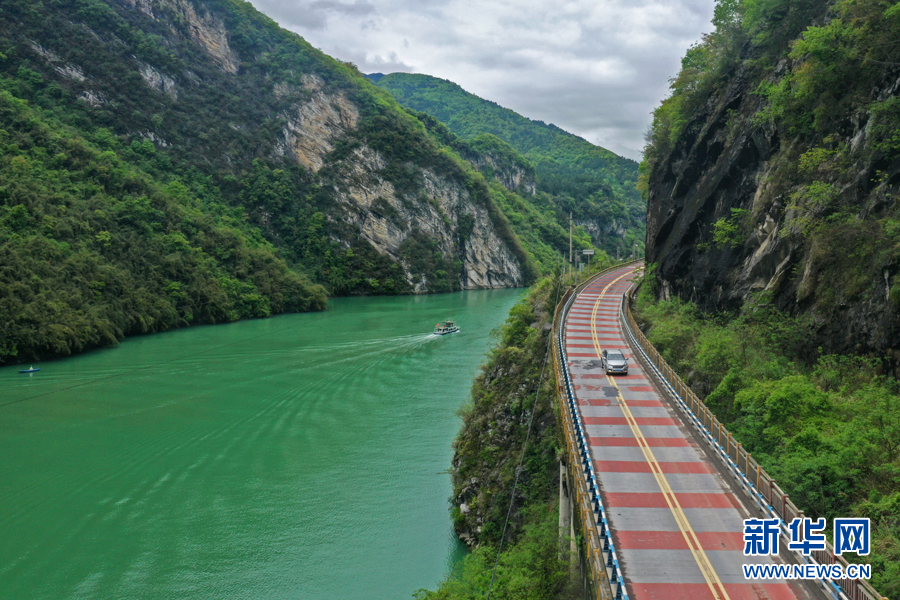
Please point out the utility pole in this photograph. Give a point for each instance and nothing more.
(570, 242)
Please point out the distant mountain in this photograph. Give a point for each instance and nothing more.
(598, 186)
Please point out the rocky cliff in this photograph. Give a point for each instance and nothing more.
(331, 169)
(495, 427)
(773, 173)
(558, 171)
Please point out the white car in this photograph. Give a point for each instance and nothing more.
(614, 362)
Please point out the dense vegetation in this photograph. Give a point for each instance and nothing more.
(572, 175)
(827, 431)
(93, 248)
(146, 185)
(836, 51)
(488, 449)
(821, 88)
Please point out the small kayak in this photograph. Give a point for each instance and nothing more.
(31, 370)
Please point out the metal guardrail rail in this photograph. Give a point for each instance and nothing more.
(761, 487)
(605, 576)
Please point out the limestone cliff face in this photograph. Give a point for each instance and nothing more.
(709, 251)
(214, 96)
(313, 126)
(158, 81)
(514, 177)
(386, 218)
(206, 29)
(381, 214)
(600, 231)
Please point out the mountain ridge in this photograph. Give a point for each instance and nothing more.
(593, 183)
(190, 112)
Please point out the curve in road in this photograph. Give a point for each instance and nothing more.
(677, 523)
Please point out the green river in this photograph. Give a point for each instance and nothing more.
(303, 456)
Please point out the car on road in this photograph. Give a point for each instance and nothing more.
(614, 362)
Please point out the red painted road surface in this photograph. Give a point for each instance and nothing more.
(677, 525)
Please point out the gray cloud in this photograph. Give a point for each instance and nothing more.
(303, 17)
(390, 64)
(596, 68)
(358, 8)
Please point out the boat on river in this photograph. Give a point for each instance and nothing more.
(31, 370)
(445, 328)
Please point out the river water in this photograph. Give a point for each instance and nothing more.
(302, 456)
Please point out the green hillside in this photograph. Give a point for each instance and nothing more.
(596, 185)
(93, 248)
(772, 177)
(534, 217)
(188, 161)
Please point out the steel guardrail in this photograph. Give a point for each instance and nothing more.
(758, 484)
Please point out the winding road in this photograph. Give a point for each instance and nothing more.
(677, 523)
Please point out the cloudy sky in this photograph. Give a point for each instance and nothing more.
(596, 68)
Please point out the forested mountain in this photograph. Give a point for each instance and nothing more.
(570, 174)
(93, 248)
(774, 167)
(167, 162)
(772, 175)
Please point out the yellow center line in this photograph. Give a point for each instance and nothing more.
(693, 543)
